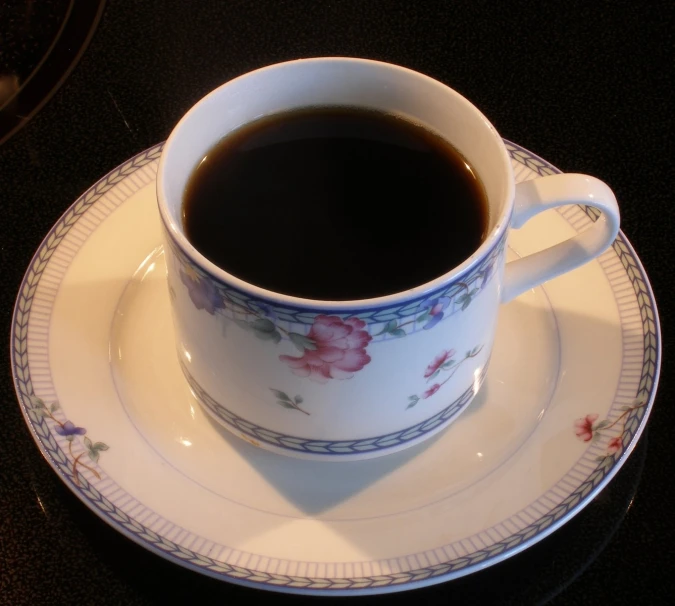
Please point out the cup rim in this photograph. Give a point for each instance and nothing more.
(493, 238)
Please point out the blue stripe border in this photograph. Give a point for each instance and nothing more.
(333, 448)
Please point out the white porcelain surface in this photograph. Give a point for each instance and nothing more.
(92, 331)
(382, 387)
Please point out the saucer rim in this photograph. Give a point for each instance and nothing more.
(326, 586)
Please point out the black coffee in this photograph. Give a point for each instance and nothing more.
(335, 203)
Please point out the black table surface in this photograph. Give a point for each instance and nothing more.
(586, 85)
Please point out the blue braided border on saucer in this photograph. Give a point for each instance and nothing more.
(120, 520)
(331, 448)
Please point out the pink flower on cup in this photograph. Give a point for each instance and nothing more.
(583, 428)
(614, 445)
(334, 349)
(445, 363)
(431, 391)
(438, 361)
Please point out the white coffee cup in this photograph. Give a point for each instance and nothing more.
(346, 380)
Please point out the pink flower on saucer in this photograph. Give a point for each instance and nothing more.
(615, 445)
(431, 391)
(583, 428)
(438, 361)
(335, 349)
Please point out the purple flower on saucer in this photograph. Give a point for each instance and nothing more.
(69, 429)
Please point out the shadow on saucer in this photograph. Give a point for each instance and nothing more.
(315, 487)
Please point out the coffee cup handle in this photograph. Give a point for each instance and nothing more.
(544, 193)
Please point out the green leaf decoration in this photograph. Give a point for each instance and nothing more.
(274, 336)
(101, 446)
(466, 303)
(448, 364)
(413, 400)
(601, 425)
(391, 326)
(280, 394)
(93, 455)
(424, 317)
(399, 332)
(37, 402)
(243, 324)
(263, 325)
(54, 407)
(284, 400)
(301, 341)
(87, 442)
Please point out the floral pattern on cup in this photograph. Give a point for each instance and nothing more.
(445, 365)
(430, 312)
(433, 308)
(333, 349)
(214, 297)
(588, 430)
(69, 430)
(202, 291)
(285, 401)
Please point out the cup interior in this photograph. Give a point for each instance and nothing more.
(331, 82)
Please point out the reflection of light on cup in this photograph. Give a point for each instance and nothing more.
(470, 170)
(192, 411)
(479, 455)
(476, 380)
(149, 270)
(187, 354)
(184, 441)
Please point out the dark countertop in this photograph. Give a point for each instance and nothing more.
(585, 85)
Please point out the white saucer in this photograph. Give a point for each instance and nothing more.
(92, 332)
